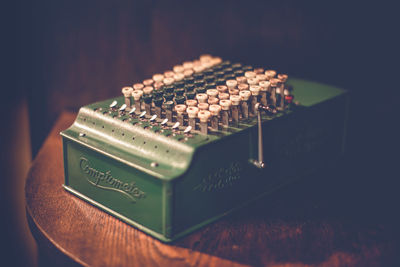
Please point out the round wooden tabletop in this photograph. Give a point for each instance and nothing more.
(301, 225)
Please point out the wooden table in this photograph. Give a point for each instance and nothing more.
(301, 225)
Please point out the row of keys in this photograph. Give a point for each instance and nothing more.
(147, 122)
(208, 91)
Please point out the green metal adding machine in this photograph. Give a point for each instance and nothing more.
(184, 148)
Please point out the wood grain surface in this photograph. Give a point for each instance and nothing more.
(310, 223)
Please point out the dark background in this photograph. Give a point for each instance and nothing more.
(60, 55)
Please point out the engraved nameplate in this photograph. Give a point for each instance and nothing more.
(105, 180)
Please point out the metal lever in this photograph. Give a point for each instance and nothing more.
(269, 110)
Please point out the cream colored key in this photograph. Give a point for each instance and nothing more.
(264, 91)
(252, 81)
(205, 58)
(273, 87)
(188, 72)
(158, 85)
(192, 114)
(245, 96)
(148, 82)
(191, 103)
(274, 81)
(212, 93)
(213, 100)
(158, 77)
(222, 88)
(255, 89)
(264, 85)
(178, 69)
(261, 77)
(283, 77)
(197, 63)
(223, 96)
(138, 86)
(180, 110)
(225, 106)
(188, 65)
(235, 100)
(259, 70)
(241, 79)
(204, 116)
(250, 74)
(216, 61)
(214, 110)
(198, 68)
(255, 92)
(202, 98)
(168, 81)
(243, 86)
(127, 92)
(179, 76)
(137, 94)
(169, 74)
(207, 64)
(270, 74)
(231, 84)
(148, 90)
(203, 106)
(234, 91)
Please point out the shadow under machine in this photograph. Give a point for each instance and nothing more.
(184, 148)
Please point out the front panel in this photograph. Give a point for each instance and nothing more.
(120, 188)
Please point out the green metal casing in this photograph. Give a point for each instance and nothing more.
(168, 186)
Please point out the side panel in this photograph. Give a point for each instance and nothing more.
(119, 189)
(221, 177)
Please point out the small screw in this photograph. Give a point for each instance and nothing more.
(154, 164)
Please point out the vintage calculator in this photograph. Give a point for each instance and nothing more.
(182, 149)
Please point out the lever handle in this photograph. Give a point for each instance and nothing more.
(270, 110)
